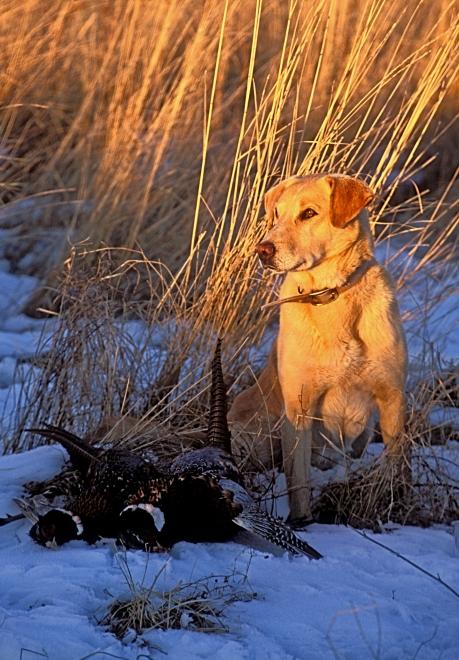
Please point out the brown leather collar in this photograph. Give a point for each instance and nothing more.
(324, 296)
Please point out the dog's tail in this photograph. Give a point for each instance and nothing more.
(218, 433)
(275, 531)
(81, 453)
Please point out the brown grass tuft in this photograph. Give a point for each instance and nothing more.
(197, 605)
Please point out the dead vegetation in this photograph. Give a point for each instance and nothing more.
(197, 605)
(161, 124)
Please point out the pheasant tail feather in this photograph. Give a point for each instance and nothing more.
(275, 531)
(80, 452)
(218, 433)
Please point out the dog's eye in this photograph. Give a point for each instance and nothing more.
(276, 214)
(307, 214)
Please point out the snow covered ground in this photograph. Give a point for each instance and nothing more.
(360, 601)
(19, 338)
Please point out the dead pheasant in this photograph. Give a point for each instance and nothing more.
(109, 479)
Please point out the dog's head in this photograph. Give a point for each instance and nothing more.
(312, 218)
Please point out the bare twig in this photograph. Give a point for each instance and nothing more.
(437, 578)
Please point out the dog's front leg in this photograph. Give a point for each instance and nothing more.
(296, 454)
(391, 407)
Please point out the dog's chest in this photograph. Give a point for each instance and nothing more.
(322, 339)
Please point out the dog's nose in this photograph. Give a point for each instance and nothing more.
(266, 251)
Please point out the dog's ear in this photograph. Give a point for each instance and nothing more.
(348, 197)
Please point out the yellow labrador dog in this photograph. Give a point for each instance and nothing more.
(340, 353)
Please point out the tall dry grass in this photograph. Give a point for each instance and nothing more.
(161, 124)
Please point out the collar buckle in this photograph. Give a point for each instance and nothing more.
(321, 297)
